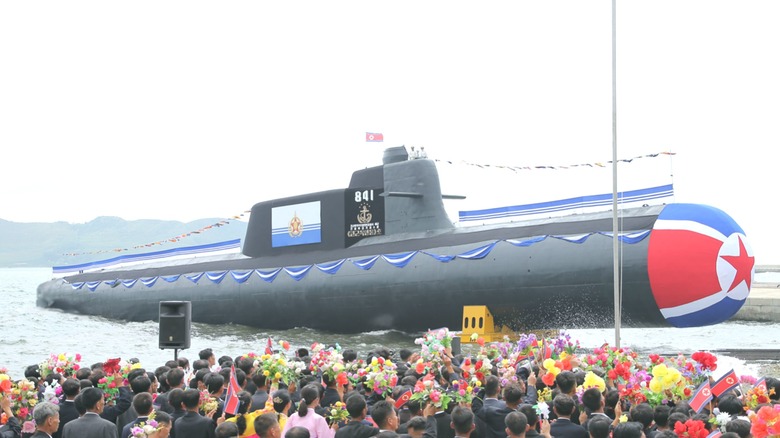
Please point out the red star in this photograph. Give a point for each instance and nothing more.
(743, 264)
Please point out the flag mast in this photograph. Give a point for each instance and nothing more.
(615, 230)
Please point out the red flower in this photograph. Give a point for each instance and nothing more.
(285, 345)
(342, 378)
(481, 342)
(548, 379)
(420, 367)
(111, 366)
(5, 386)
(687, 392)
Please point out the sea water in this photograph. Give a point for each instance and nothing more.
(29, 334)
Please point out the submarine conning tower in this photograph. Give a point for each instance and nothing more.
(402, 195)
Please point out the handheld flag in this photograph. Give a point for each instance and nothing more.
(761, 384)
(715, 434)
(374, 136)
(231, 395)
(701, 397)
(403, 399)
(269, 346)
(726, 383)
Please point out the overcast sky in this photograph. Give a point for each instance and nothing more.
(187, 109)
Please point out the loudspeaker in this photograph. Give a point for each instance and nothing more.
(175, 324)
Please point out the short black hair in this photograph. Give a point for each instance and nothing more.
(462, 420)
(356, 403)
(90, 397)
(142, 403)
(739, 426)
(530, 413)
(598, 426)
(214, 383)
(190, 398)
(629, 429)
(591, 399)
(71, 387)
(516, 422)
(297, 432)
(566, 381)
(140, 384)
(381, 412)
(642, 413)
(175, 397)
(563, 404)
(205, 354)
(661, 415)
(264, 423)
(513, 393)
(731, 405)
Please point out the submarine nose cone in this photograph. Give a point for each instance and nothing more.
(700, 265)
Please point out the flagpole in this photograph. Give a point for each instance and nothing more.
(615, 241)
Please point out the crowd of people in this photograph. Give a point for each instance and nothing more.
(522, 388)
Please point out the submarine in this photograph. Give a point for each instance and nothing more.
(384, 254)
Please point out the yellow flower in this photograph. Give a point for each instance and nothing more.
(266, 373)
(623, 418)
(61, 357)
(477, 383)
(594, 381)
(655, 385)
(660, 370)
(278, 376)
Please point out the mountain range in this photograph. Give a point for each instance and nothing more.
(63, 243)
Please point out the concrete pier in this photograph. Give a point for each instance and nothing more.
(763, 304)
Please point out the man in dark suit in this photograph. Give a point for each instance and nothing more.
(563, 406)
(70, 389)
(47, 419)
(462, 422)
(90, 425)
(493, 410)
(516, 425)
(192, 424)
(142, 405)
(357, 408)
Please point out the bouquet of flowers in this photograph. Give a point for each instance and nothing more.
(380, 376)
(463, 392)
(434, 344)
(755, 397)
(426, 392)
(110, 387)
(617, 363)
(145, 429)
(63, 363)
(207, 403)
(24, 397)
(330, 363)
(276, 368)
(5, 383)
(697, 368)
(691, 429)
(766, 422)
(338, 413)
(526, 344)
(354, 370)
(667, 384)
(564, 344)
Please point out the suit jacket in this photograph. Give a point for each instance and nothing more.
(443, 427)
(430, 428)
(493, 413)
(194, 425)
(89, 426)
(123, 403)
(68, 413)
(329, 397)
(356, 429)
(11, 429)
(39, 434)
(564, 428)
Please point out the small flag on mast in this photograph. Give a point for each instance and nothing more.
(374, 136)
(231, 395)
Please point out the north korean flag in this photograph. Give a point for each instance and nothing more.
(715, 434)
(700, 265)
(701, 397)
(374, 136)
(231, 395)
(726, 383)
(761, 384)
(403, 399)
